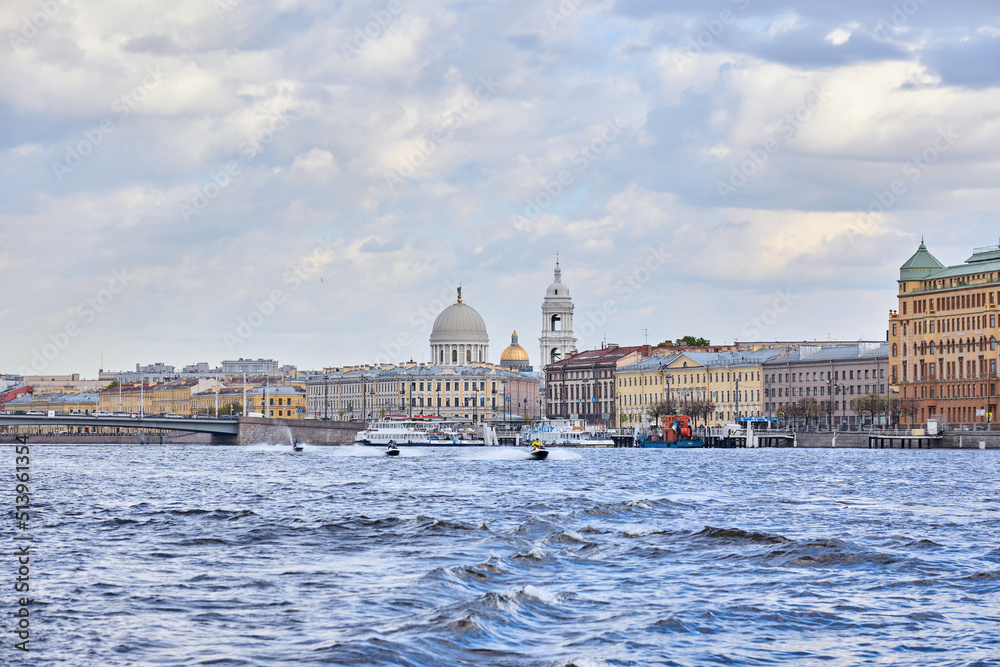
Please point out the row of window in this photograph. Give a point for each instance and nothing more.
(954, 302)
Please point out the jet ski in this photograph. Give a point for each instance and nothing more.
(297, 446)
(391, 450)
(538, 453)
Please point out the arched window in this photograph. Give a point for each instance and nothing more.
(556, 322)
(932, 347)
(468, 355)
(993, 343)
(554, 355)
(442, 356)
(894, 349)
(454, 356)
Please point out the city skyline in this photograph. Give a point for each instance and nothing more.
(193, 182)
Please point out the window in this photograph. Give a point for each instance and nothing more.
(454, 356)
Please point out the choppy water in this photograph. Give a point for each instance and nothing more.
(259, 556)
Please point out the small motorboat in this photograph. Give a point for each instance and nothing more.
(538, 453)
(391, 450)
(296, 446)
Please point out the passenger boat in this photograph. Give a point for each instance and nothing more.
(427, 431)
(567, 433)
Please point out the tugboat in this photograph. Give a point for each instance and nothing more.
(392, 450)
(676, 430)
(538, 451)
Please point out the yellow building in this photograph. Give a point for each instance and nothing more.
(175, 397)
(638, 387)
(714, 387)
(281, 401)
(229, 401)
(943, 353)
(130, 398)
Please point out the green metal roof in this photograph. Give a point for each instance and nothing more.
(920, 265)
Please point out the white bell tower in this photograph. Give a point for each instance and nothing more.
(557, 341)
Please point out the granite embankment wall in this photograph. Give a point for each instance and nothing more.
(951, 440)
(169, 438)
(254, 430)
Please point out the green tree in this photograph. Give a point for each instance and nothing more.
(692, 341)
(114, 385)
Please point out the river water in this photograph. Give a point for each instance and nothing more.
(191, 555)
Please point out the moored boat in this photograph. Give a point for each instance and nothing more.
(568, 433)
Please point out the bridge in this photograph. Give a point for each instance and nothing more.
(242, 431)
(214, 426)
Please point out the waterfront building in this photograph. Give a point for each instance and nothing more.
(476, 392)
(943, 337)
(135, 398)
(459, 336)
(639, 386)
(286, 402)
(514, 356)
(829, 376)
(174, 397)
(82, 402)
(582, 386)
(715, 387)
(266, 367)
(228, 399)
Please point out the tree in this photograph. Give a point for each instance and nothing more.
(692, 341)
(908, 410)
(870, 404)
(702, 409)
(114, 385)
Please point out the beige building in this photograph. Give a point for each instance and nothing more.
(943, 338)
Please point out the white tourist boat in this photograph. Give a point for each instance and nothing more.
(567, 433)
(427, 431)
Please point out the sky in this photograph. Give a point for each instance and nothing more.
(200, 180)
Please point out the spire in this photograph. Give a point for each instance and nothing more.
(459, 294)
(558, 271)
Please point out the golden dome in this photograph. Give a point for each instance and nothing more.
(514, 352)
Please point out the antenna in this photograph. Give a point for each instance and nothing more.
(645, 332)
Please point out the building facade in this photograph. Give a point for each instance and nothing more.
(830, 378)
(282, 401)
(583, 385)
(943, 338)
(476, 393)
(715, 387)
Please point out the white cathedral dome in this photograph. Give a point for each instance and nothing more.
(459, 335)
(459, 323)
